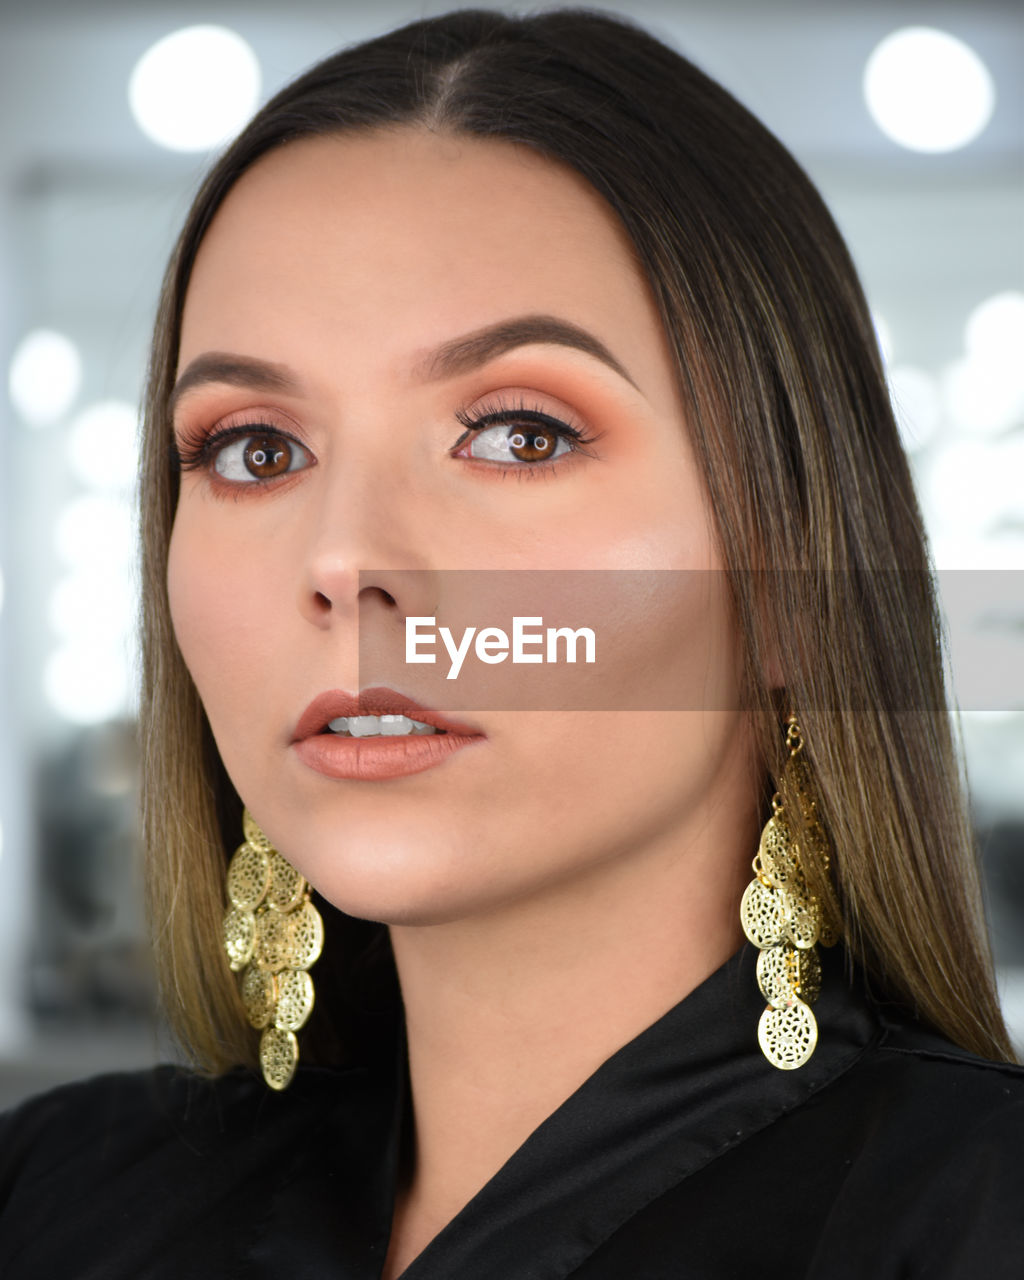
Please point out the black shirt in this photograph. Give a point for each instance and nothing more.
(891, 1154)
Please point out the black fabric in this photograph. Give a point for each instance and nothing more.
(892, 1154)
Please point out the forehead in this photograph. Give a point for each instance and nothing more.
(405, 236)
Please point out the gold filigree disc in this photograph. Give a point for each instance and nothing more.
(762, 914)
(259, 995)
(308, 935)
(239, 933)
(275, 941)
(294, 1000)
(788, 1036)
(286, 885)
(279, 1054)
(248, 877)
(289, 940)
(802, 923)
(775, 851)
(253, 833)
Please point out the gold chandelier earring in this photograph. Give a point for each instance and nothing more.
(785, 920)
(272, 935)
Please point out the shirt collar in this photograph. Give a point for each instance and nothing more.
(688, 1088)
(683, 1091)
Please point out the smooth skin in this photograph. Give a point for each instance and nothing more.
(570, 870)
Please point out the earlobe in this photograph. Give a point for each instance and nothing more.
(773, 677)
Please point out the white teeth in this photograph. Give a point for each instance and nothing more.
(385, 726)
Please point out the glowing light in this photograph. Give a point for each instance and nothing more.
(95, 530)
(44, 377)
(99, 604)
(975, 504)
(87, 683)
(983, 397)
(927, 90)
(915, 399)
(995, 329)
(954, 550)
(958, 490)
(103, 446)
(195, 88)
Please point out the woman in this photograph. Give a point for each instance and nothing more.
(474, 254)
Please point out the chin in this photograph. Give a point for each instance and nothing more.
(398, 905)
(394, 882)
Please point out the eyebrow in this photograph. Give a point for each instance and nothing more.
(457, 356)
(237, 371)
(472, 350)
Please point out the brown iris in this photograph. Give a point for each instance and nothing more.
(532, 445)
(267, 456)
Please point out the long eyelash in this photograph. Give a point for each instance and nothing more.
(495, 414)
(194, 449)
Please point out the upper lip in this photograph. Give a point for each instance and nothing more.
(378, 701)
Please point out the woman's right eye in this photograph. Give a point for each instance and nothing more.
(244, 457)
(259, 457)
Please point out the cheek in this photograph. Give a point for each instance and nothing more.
(579, 789)
(214, 599)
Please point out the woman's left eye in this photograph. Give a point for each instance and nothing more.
(522, 444)
(259, 455)
(519, 436)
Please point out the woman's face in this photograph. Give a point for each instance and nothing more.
(362, 324)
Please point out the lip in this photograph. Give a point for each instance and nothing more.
(374, 759)
(377, 701)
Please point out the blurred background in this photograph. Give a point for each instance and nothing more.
(909, 117)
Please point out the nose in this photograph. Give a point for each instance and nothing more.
(364, 553)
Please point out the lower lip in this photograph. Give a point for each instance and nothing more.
(374, 759)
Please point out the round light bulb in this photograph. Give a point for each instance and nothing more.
(95, 529)
(983, 396)
(103, 445)
(45, 376)
(927, 90)
(96, 601)
(87, 683)
(995, 329)
(195, 88)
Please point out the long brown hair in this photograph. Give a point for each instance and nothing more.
(814, 504)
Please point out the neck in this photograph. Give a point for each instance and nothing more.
(509, 1012)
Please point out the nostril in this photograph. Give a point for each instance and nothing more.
(321, 602)
(385, 596)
